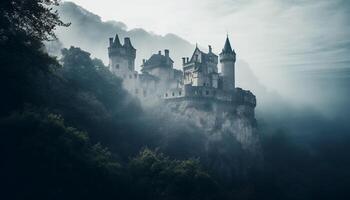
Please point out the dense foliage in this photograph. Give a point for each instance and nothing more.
(45, 159)
(34, 18)
(24, 25)
(54, 161)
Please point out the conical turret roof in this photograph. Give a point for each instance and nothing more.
(117, 41)
(227, 48)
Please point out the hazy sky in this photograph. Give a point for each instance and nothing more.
(279, 39)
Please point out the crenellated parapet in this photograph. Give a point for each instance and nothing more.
(126, 50)
(244, 97)
(241, 102)
(235, 98)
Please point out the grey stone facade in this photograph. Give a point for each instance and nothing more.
(199, 79)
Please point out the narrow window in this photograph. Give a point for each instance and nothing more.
(117, 66)
(173, 94)
(207, 92)
(166, 94)
(180, 93)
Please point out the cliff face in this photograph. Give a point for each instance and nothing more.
(231, 132)
(217, 119)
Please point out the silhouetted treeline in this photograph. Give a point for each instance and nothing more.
(69, 131)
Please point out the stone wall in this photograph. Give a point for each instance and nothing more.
(234, 98)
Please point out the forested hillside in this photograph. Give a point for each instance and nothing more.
(55, 117)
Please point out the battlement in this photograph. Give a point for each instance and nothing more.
(117, 49)
(245, 97)
(236, 97)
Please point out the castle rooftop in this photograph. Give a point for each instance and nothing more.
(158, 60)
(202, 57)
(227, 48)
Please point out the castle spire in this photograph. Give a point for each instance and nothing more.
(227, 60)
(117, 41)
(227, 48)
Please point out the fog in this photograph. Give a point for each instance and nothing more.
(295, 50)
(315, 93)
(71, 130)
(298, 48)
(293, 55)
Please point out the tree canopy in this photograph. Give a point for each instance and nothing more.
(34, 18)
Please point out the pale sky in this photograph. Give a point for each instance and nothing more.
(276, 37)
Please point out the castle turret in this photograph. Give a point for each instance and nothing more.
(121, 57)
(227, 61)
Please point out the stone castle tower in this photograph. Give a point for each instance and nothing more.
(227, 61)
(121, 57)
(199, 80)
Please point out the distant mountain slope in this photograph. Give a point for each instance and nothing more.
(89, 32)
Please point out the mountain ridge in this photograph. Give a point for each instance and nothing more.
(91, 33)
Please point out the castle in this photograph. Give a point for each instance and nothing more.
(199, 80)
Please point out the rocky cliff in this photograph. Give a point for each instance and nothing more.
(232, 141)
(217, 118)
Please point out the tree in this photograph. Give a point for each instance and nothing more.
(43, 158)
(24, 25)
(156, 176)
(34, 18)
